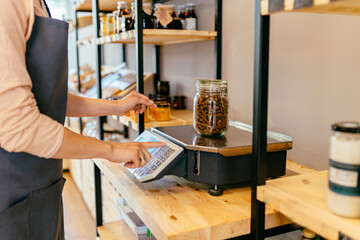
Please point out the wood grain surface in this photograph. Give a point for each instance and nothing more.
(173, 208)
(303, 199)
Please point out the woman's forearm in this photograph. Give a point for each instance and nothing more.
(87, 107)
(77, 146)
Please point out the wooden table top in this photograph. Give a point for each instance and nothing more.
(303, 199)
(173, 208)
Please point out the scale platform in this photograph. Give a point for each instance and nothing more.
(222, 160)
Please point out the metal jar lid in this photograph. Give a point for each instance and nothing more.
(348, 127)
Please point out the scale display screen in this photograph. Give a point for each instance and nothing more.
(151, 139)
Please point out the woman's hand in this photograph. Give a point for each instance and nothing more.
(133, 154)
(134, 101)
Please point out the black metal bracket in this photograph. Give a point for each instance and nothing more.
(218, 39)
(156, 60)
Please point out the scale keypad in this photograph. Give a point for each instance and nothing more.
(157, 158)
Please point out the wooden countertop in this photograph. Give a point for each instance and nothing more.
(303, 199)
(173, 208)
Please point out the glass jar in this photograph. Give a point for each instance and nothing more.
(163, 111)
(179, 102)
(191, 18)
(110, 24)
(164, 15)
(211, 107)
(115, 22)
(103, 26)
(344, 169)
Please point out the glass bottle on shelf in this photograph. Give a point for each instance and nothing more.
(147, 16)
(191, 18)
(177, 20)
(154, 19)
(164, 15)
(211, 107)
(122, 10)
(115, 22)
(182, 15)
(128, 20)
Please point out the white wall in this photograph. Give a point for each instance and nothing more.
(314, 71)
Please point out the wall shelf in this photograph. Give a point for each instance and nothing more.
(160, 37)
(347, 7)
(118, 230)
(104, 5)
(304, 200)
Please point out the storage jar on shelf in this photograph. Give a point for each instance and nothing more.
(344, 169)
(211, 107)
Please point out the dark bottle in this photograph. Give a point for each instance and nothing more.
(163, 88)
(168, 9)
(128, 21)
(177, 21)
(122, 10)
(147, 16)
(182, 15)
(191, 18)
(179, 102)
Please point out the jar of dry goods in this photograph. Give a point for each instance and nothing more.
(211, 107)
(344, 169)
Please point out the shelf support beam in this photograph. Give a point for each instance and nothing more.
(98, 195)
(156, 61)
(78, 61)
(139, 57)
(218, 39)
(261, 82)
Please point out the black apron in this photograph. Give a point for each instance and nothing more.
(30, 186)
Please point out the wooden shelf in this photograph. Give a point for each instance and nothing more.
(118, 230)
(348, 7)
(173, 208)
(178, 117)
(304, 200)
(104, 5)
(160, 37)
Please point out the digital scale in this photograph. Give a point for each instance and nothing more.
(216, 161)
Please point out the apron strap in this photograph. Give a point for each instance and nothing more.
(47, 8)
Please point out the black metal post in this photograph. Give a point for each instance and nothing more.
(98, 197)
(218, 39)
(124, 52)
(139, 57)
(261, 82)
(78, 61)
(156, 60)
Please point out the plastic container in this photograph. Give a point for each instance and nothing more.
(344, 170)
(132, 220)
(211, 107)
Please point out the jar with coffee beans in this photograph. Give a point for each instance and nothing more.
(211, 107)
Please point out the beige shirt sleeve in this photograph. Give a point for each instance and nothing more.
(22, 127)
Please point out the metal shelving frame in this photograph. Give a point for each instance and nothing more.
(139, 72)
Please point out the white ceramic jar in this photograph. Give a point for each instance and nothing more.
(344, 170)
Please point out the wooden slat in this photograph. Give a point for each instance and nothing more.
(104, 5)
(178, 118)
(303, 199)
(173, 208)
(160, 37)
(348, 7)
(118, 230)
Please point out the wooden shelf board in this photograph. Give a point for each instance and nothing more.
(348, 7)
(178, 117)
(173, 208)
(159, 37)
(118, 230)
(104, 5)
(303, 199)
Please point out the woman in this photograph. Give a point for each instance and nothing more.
(34, 102)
